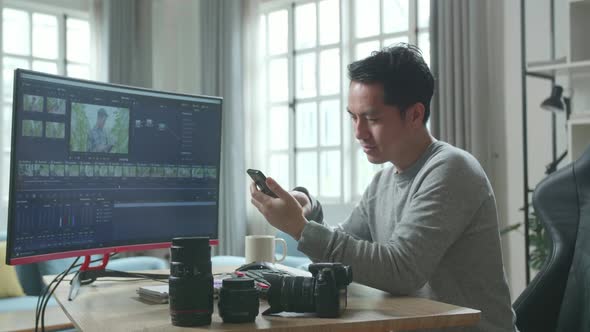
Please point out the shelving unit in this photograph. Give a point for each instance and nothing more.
(575, 67)
(579, 135)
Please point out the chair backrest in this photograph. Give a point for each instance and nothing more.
(574, 314)
(557, 204)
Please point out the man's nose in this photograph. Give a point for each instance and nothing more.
(361, 131)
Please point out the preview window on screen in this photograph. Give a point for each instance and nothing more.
(97, 165)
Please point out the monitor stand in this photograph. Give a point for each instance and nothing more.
(88, 274)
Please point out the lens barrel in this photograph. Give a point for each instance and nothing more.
(190, 282)
(238, 300)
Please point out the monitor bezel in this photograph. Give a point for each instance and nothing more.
(14, 165)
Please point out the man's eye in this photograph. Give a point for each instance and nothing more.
(372, 120)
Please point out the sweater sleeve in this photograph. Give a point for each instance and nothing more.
(448, 195)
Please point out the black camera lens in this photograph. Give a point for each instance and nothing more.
(238, 300)
(191, 282)
(324, 293)
(291, 294)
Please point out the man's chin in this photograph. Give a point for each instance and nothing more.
(374, 159)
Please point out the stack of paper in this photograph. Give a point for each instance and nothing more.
(154, 294)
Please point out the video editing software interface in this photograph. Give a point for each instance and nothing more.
(98, 165)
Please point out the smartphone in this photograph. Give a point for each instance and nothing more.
(260, 181)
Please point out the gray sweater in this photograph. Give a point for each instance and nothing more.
(429, 231)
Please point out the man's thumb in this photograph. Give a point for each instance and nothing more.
(276, 188)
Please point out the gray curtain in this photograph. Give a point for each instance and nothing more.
(221, 63)
(123, 38)
(461, 105)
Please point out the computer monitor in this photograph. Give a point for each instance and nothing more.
(99, 168)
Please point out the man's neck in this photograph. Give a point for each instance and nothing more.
(414, 151)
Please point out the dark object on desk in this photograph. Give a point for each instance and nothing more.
(238, 300)
(191, 282)
(256, 266)
(324, 293)
(557, 298)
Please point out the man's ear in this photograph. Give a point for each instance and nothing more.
(416, 114)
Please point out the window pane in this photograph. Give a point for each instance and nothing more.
(278, 81)
(16, 35)
(306, 133)
(45, 66)
(330, 123)
(10, 64)
(330, 72)
(279, 168)
(423, 13)
(78, 71)
(305, 75)
(424, 44)
(45, 40)
(329, 22)
(277, 32)
(6, 128)
(363, 50)
(78, 40)
(262, 36)
(395, 15)
(279, 128)
(307, 171)
(305, 26)
(394, 41)
(366, 18)
(330, 168)
(5, 180)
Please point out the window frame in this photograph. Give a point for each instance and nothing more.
(32, 7)
(350, 189)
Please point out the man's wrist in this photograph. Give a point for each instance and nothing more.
(300, 227)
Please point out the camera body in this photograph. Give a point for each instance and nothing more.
(324, 293)
(330, 289)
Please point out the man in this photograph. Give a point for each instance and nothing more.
(427, 226)
(98, 140)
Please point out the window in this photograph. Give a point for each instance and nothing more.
(306, 46)
(51, 40)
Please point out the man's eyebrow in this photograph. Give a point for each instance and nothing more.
(371, 112)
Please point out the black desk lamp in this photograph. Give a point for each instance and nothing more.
(556, 103)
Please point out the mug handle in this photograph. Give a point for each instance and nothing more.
(284, 243)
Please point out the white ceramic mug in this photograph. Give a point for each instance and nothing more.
(261, 248)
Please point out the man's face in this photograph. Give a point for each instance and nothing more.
(100, 120)
(378, 127)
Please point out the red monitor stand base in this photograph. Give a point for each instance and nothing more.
(88, 274)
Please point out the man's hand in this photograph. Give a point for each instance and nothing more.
(284, 212)
(303, 200)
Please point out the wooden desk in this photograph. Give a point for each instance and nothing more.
(24, 320)
(115, 306)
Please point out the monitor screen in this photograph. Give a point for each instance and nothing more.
(98, 167)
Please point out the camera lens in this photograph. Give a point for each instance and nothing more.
(291, 294)
(238, 300)
(191, 282)
(324, 293)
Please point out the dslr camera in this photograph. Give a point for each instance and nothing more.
(324, 293)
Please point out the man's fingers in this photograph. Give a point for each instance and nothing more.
(253, 188)
(261, 197)
(257, 204)
(277, 189)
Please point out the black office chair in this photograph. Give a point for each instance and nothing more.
(558, 298)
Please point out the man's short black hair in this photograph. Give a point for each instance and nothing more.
(405, 77)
